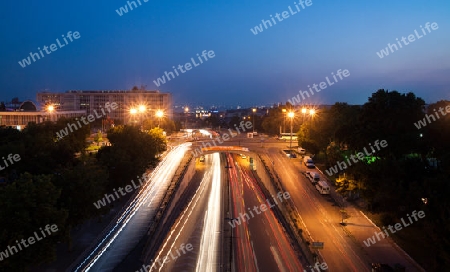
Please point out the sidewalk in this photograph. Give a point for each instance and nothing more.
(359, 228)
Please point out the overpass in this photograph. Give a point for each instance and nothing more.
(198, 151)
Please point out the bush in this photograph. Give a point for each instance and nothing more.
(387, 219)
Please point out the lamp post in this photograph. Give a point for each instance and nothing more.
(303, 115)
(50, 110)
(254, 110)
(133, 112)
(291, 116)
(311, 113)
(141, 110)
(186, 110)
(159, 114)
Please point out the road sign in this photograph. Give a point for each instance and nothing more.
(317, 245)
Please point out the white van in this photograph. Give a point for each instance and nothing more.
(313, 176)
(308, 162)
(323, 188)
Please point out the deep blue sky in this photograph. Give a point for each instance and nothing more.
(118, 52)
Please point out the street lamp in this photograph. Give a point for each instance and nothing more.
(186, 110)
(141, 110)
(133, 112)
(291, 116)
(50, 110)
(253, 110)
(303, 112)
(159, 114)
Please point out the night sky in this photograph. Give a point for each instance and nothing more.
(117, 52)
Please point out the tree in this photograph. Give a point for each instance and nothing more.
(272, 122)
(389, 116)
(131, 152)
(159, 141)
(27, 205)
(98, 137)
(435, 135)
(213, 121)
(81, 186)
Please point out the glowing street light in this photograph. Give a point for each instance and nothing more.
(141, 110)
(312, 112)
(291, 116)
(50, 109)
(133, 112)
(253, 110)
(304, 110)
(186, 110)
(159, 114)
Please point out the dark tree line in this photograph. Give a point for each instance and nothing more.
(411, 173)
(57, 182)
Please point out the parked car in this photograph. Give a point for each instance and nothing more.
(301, 151)
(308, 162)
(313, 176)
(323, 187)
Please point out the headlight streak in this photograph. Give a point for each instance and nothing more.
(207, 259)
(206, 177)
(159, 175)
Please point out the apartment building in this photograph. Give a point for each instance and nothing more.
(95, 100)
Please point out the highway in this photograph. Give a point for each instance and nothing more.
(259, 240)
(199, 227)
(320, 215)
(133, 223)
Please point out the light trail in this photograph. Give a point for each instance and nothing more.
(133, 223)
(245, 253)
(207, 260)
(197, 196)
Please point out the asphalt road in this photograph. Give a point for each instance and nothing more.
(132, 225)
(343, 245)
(260, 241)
(344, 248)
(194, 243)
